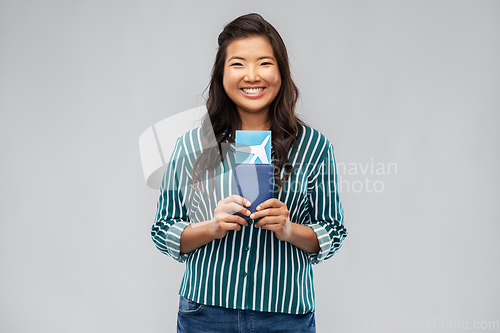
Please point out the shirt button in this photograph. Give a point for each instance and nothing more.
(244, 274)
(247, 248)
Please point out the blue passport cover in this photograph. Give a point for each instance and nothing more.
(254, 182)
(253, 147)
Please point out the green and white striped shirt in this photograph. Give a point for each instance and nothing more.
(251, 268)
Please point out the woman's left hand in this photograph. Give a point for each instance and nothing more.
(275, 217)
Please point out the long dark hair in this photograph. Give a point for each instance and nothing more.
(223, 118)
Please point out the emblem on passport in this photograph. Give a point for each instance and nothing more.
(253, 147)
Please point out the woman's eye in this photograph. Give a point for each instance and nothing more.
(266, 63)
(236, 64)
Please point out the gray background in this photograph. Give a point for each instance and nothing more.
(414, 83)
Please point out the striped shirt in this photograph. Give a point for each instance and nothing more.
(251, 268)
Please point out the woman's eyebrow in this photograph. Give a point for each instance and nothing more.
(235, 57)
(266, 57)
(241, 58)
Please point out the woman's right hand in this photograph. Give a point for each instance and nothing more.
(224, 220)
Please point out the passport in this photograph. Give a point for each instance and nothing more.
(253, 147)
(254, 182)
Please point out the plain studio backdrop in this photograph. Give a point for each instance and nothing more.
(407, 91)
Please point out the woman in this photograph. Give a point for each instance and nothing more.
(252, 274)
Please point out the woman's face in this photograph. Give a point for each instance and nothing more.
(251, 74)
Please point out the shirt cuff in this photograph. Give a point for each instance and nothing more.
(174, 241)
(325, 243)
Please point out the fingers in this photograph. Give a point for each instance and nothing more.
(272, 227)
(223, 216)
(234, 207)
(273, 202)
(269, 212)
(270, 220)
(234, 219)
(230, 226)
(224, 210)
(237, 199)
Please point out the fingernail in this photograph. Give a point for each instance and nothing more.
(248, 212)
(248, 203)
(258, 207)
(252, 216)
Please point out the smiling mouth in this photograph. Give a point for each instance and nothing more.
(252, 90)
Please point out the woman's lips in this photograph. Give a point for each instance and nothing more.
(253, 92)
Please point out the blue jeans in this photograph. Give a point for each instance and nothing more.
(194, 318)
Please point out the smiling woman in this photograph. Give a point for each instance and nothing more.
(252, 80)
(250, 274)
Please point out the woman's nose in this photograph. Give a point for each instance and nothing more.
(252, 75)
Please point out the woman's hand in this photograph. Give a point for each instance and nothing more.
(275, 217)
(224, 220)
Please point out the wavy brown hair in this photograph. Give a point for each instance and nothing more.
(223, 117)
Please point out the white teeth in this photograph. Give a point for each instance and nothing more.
(253, 90)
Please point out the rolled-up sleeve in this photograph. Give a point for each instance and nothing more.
(325, 209)
(171, 215)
